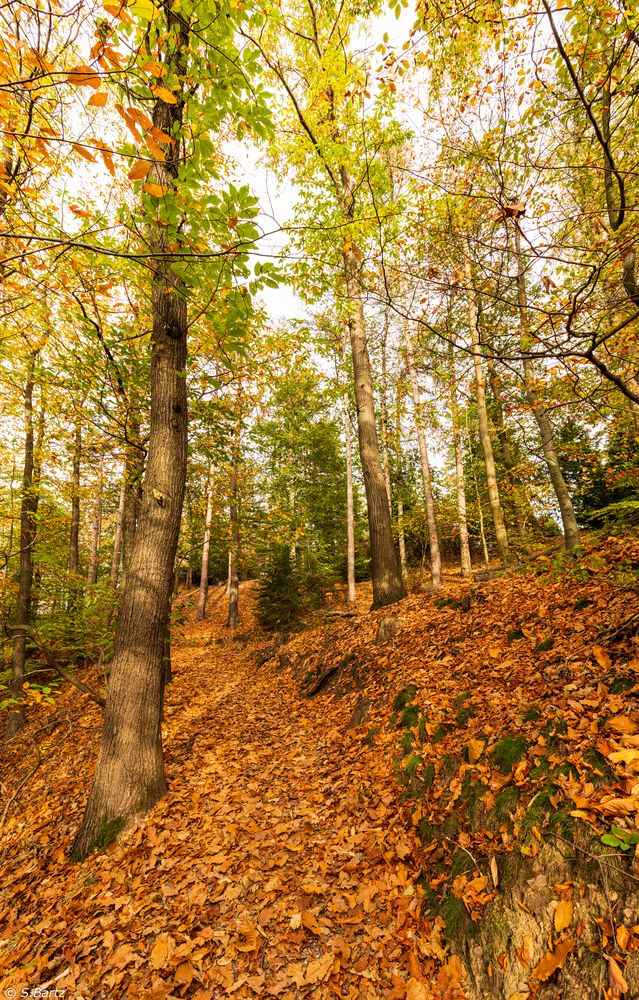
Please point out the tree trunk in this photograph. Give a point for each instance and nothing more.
(133, 473)
(74, 533)
(96, 528)
(129, 776)
(234, 548)
(350, 506)
(460, 482)
(388, 585)
(116, 558)
(28, 510)
(418, 414)
(569, 521)
(401, 538)
(384, 416)
(501, 534)
(206, 544)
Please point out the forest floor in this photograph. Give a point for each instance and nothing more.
(294, 853)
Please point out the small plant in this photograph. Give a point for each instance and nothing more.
(508, 751)
(621, 839)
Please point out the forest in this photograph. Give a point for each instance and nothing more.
(319, 499)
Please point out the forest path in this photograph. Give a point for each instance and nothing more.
(277, 864)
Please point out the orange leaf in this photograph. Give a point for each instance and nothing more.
(553, 960)
(164, 95)
(601, 656)
(309, 920)
(623, 724)
(98, 100)
(154, 149)
(184, 973)
(155, 189)
(83, 76)
(616, 981)
(139, 169)
(563, 915)
(83, 152)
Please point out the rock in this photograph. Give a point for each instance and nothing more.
(360, 714)
(387, 628)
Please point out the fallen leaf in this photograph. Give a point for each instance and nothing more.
(553, 960)
(563, 915)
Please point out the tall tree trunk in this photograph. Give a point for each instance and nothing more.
(350, 505)
(129, 776)
(460, 482)
(234, 548)
(133, 474)
(569, 521)
(96, 528)
(418, 416)
(401, 538)
(383, 405)
(28, 510)
(74, 533)
(501, 534)
(206, 544)
(116, 557)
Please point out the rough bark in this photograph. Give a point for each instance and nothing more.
(401, 538)
(501, 534)
(129, 776)
(133, 474)
(350, 506)
(569, 521)
(383, 406)
(206, 544)
(460, 482)
(418, 417)
(234, 548)
(116, 557)
(28, 510)
(388, 585)
(96, 528)
(74, 532)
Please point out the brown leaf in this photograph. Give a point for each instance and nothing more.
(309, 920)
(602, 657)
(184, 974)
(616, 981)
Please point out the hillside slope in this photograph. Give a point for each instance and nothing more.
(427, 825)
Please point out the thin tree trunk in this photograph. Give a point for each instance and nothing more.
(28, 509)
(129, 776)
(234, 548)
(501, 534)
(74, 533)
(350, 506)
(206, 544)
(401, 538)
(418, 415)
(9, 548)
(116, 557)
(96, 528)
(133, 474)
(460, 482)
(384, 416)
(569, 521)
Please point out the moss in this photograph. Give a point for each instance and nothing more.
(426, 832)
(568, 770)
(472, 791)
(455, 916)
(421, 729)
(405, 696)
(551, 730)
(532, 713)
(406, 742)
(428, 776)
(622, 684)
(412, 764)
(461, 864)
(461, 699)
(371, 733)
(537, 813)
(108, 831)
(430, 896)
(440, 732)
(450, 826)
(409, 717)
(450, 764)
(600, 771)
(508, 751)
(514, 635)
(540, 770)
(506, 802)
(563, 823)
(465, 713)
(543, 646)
(582, 604)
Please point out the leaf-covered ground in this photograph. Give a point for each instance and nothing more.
(297, 857)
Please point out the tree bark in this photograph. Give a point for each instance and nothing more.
(388, 585)
(234, 548)
(206, 544)
(28, 511)
(418, 416)
(116, 557)
(401, 538)
(569, 521)
(129, 776)
(96, 528)
(501, 534)
(350, 505)
(133, 474)
(74, 533)
(460, 482)
(384, 415)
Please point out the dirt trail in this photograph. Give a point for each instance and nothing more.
(277, 865)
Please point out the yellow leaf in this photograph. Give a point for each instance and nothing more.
(164, 95)
(160, 953)
(98, 100)
(309, 920)
(139, 169)
(563, 915)
(623, 724)
(601, 656)
(155, 189)
(320, 969)
(155, 68)
(83, 76)
(475, 750)
(83, 152)
(184, 973)
(154, 149)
